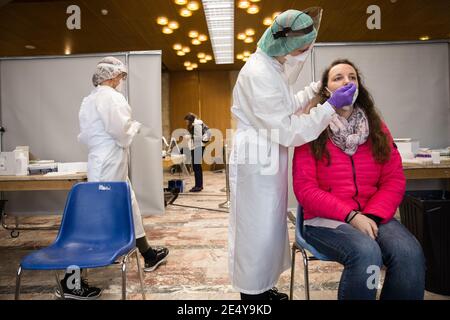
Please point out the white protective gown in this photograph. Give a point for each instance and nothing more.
(258, 238)
(107, 129)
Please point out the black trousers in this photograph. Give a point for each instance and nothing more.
(197, 160)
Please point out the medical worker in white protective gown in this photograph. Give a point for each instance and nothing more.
(266, 109)
(106, 127)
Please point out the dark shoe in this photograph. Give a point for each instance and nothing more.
(152, 263)
(196, 189)
(84, 293)
(275, 295)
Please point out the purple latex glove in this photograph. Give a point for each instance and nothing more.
(343, 96)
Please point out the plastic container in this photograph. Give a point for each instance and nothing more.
(426, 214)
(21, 165)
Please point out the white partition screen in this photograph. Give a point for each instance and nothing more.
(40, 101)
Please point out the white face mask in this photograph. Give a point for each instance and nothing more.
(355, 96)
(293, 65)
(120, 87)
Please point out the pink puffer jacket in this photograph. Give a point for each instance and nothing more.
(348, 183)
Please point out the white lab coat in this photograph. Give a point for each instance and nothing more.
(258, 239)
(107, 129)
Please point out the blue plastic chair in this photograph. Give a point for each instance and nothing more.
(96, 231)
(301, 245)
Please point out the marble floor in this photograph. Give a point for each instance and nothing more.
(197, 265)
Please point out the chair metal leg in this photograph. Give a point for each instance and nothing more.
(305, 266)
(291, 289)
(124, 277)
(18, 278)
(58, 282)
(141, 275)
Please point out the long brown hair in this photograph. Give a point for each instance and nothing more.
(381, 150)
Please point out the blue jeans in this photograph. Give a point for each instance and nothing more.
(395, 247)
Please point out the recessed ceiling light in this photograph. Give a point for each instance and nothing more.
(241, 36)
(220, 20)
(244, 4)
(189, 68)
(201, 55)
(167, 30)
(162, 21)
(240, 56)
(193, 34)
(187, 63)
(173, 25)
(250, 32)
(196, 42)
(181, 53)
(203, 61)
(181, 2)
(30, 47)
(202, 37)
(255, 0)
(267, 21)
(245, 59)
(185, 12)
(424, 38)
(194, 65)
(104, 12)
(177, 47)
(186, 49)
(247, 53)
(248, 40)
(253, 9)
(208, 57)
(193, 5)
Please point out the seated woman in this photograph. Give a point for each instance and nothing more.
(350, 182)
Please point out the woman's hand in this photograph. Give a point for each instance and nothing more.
(365, 225)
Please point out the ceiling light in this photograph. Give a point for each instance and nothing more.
(189, 68)
(203, 61)
(194, 65)
(247, 53)
(196, 42)
(173, 25)
(275, 14)
(167, 30)
(424, 38)
(255, 0)
(193, 34)
(248, 40)
(220, 20)
(245, 59)
(30, 47)
(185, 12)
(241, 36)
(186, 49)
(104, 12)
(208, 57)
(201, 55)
(177, 47)
(250, 32)
(181, 2)
(193, 5)
(181, 53)
(244, 4)
(240, 56)
(267, 21)
(253, 9)
(162, 21)
(187, 63)
(202, 37)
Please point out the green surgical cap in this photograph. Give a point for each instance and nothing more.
(294, 19)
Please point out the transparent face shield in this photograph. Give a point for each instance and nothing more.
(315, 13)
